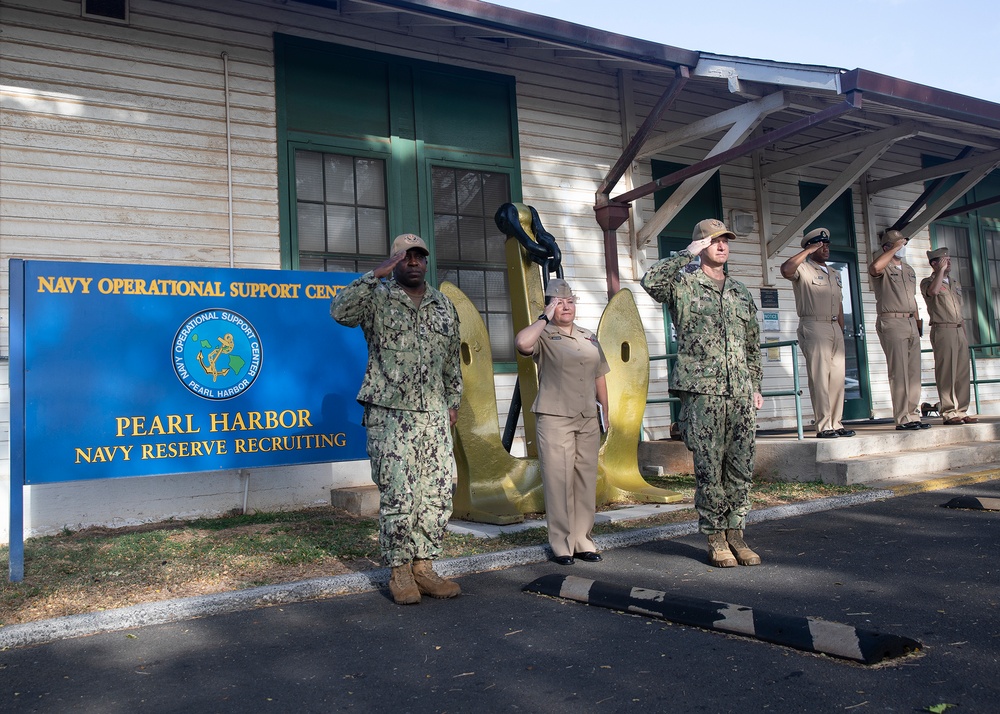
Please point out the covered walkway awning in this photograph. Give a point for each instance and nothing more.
(863, 115)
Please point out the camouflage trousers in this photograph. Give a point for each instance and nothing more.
(720, 432)
(413, 465)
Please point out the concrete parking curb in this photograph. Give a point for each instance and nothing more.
(168, 611)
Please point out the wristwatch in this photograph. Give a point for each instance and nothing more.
(545, 317)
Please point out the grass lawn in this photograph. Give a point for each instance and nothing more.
(102, 568)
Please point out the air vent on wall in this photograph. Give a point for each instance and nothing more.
(114, 10)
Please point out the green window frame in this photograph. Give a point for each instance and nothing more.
(973, 241)
(340, 106)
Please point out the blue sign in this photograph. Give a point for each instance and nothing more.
(129, 370)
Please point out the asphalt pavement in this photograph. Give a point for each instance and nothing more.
(898, 565)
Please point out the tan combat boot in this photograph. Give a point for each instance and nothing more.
(404, 590)
(430, 583)
(740, 549)
(719, 554)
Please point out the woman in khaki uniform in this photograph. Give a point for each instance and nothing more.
(571, 369)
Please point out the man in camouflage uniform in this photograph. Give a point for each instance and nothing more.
(717, 377)
(411, 394)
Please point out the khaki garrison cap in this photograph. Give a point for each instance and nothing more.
(711, 228)
(939, 253)
(558, 288)
(406, 242)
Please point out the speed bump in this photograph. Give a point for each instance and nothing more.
(802, 633)
(980, 504)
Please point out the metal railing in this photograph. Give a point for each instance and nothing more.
(975, 381)
(795, 391)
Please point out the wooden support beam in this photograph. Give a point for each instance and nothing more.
(932, 172)
(746, 121)
(839, 149)
(827, 196)
(943, 203)
(713, 124)
(763, 213)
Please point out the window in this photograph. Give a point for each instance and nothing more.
(341, 212)
(372, 145)
(470, 248)
(115, 10)
(970, 229)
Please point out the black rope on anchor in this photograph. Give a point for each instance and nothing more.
(541, 249)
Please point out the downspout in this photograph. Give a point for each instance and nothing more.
(229, 161)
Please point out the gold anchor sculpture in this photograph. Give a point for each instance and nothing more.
(495, 487)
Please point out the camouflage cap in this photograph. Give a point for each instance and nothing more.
(817, 233)
(710, 228)
(558, 288)
(939, 253)
(407, 241)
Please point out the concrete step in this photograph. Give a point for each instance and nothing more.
(872, 468)
(879, 451)
(359, 500)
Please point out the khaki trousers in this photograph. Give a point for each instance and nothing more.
(822, 343)
(567, 453)
(951, 370)
(901, 344)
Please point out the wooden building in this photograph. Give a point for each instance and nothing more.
(304, 134)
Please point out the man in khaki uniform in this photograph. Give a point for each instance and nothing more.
(819, 303)
(951, 346)
(895, 285)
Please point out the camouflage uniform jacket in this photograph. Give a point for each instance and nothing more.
(413, 354)
(718, 336)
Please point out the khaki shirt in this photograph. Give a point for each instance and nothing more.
(568, 368)
(413, 353)
(817, 293)
(945, 307)
(896, 289)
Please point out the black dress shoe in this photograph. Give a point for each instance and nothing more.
(589, 556)
(826, 434)
(922, 425)
(562, 559)
(912, 426)
(846, 432)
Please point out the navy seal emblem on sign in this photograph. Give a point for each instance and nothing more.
(217, 354)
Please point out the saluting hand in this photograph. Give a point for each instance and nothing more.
(389, 264)
(697, 246)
